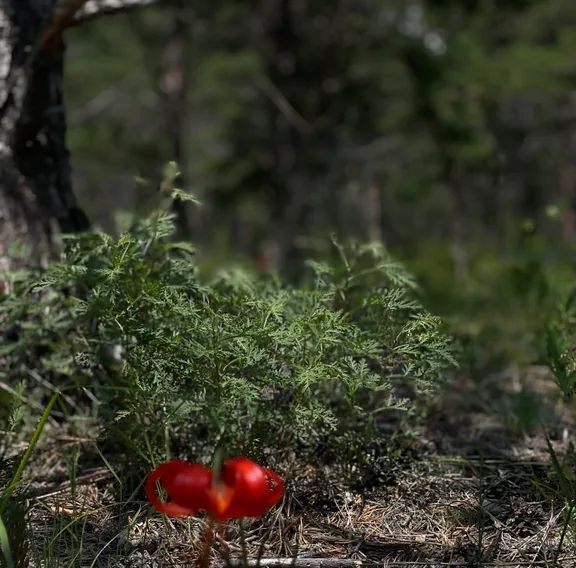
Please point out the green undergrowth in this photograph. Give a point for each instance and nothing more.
(499, 306)
(161, 361)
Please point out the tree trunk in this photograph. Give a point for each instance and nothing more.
(36, 198)
(23, 218)
(173, 88)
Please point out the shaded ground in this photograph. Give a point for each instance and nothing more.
(469, 492)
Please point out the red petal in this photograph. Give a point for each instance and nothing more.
(255, 489)
(187, 486)
(275, 487)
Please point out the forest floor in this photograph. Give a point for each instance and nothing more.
(469, 491)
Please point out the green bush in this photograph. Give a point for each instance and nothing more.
(559, 346)
(135, 339)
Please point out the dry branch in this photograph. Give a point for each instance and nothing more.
(302, 563)
(95, 8)
(72, 12)
(349, 563)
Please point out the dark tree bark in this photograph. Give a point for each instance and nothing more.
(21, 215)
(36, 198)
(174, 87)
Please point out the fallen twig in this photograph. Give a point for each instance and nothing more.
(299, 563)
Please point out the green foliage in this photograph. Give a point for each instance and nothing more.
(560, 341)
(127, 329)
(13, 534)
(566, 490)
(5, 546)
(502, 305)
(13, 483)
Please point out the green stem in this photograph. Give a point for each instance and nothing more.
(217, 462)
(224, 547)
(243, 544)
(208, 538)
(564, 531)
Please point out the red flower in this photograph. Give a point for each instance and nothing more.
(244, 489)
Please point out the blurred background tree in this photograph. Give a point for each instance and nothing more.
(407, 121)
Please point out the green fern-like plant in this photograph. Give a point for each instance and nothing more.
(129, 330)
(559, 340)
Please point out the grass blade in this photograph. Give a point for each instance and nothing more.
(26, 457)
(5, 545)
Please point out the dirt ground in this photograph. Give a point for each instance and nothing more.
(471, 490)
